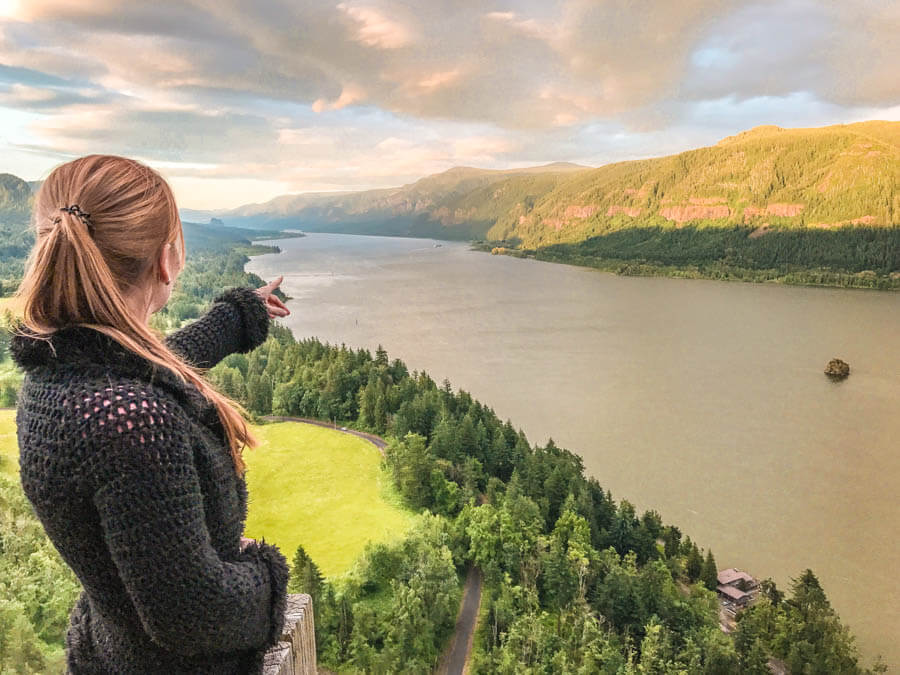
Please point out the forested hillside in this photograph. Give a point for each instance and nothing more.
(575, 580)
(767, 178)
(462, 203)
(15, 239)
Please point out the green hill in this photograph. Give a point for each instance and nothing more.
(15, 199)
(766, 178)
(815, 206)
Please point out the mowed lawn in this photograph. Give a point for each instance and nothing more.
(321, 488)
(9, 304)
(307, 485)
(9, 450)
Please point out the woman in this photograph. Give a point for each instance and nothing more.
(131, 460)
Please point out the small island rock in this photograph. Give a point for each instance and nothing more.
(837, 369)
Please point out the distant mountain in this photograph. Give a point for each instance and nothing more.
(461, 203)
(766, 178)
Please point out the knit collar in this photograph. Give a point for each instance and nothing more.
(87, 348)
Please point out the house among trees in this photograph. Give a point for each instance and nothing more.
(736, 587)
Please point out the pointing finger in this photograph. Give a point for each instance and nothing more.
(275, 283)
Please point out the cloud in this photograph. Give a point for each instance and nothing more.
(445, 60)
(843, 53)
(161, 133)
(525, 65)
(248, 152)
(349, 94)
(361, 93)
(376, 30)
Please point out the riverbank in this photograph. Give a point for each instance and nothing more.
(719, 272)
(839, 258)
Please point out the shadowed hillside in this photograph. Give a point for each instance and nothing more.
(461, 203)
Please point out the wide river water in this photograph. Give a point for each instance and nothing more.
(703, 400)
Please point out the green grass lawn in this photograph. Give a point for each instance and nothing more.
(9, 451)
(8, 303)
(321, 488)
(308, 485)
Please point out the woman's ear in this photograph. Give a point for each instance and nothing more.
(165, 264)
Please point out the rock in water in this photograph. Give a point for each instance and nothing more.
(837, 369)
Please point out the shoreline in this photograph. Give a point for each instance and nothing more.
(631, 268)
(622, 267)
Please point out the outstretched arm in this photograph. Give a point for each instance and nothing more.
(237, 322)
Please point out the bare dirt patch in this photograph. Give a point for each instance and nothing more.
(683, 214)
(760, 231)
(574, 211)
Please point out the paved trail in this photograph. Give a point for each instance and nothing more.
(377, 441)
(454, 662)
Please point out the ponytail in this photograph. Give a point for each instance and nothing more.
(82, 264)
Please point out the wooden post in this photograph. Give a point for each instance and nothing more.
(296, 653)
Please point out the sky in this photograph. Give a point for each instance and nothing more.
(237, 101)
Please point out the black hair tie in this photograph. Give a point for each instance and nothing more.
(75, 210)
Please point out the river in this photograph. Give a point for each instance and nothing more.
(703, 400)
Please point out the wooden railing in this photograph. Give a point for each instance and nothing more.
(296, 653)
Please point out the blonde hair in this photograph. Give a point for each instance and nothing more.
(82, 266)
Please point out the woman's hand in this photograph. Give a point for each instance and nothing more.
(245, 541)
(274, 306)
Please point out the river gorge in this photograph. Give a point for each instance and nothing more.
(703, 400)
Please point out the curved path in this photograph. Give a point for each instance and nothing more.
(454, 661)
(377, 441)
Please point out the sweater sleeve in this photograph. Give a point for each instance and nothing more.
(237, 322)
(150, 508)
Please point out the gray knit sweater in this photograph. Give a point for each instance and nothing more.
(128, 470)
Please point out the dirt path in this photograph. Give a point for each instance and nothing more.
(454, 661)
(377, 441)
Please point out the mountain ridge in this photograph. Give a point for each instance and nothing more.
(767, 178)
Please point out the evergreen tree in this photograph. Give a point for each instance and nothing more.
(381, 357)
(671, 536)
(380, 412)
(694, 564)
(709, 574)
(305, 576)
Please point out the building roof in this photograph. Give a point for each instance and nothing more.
(732, 592)
(732, 574)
